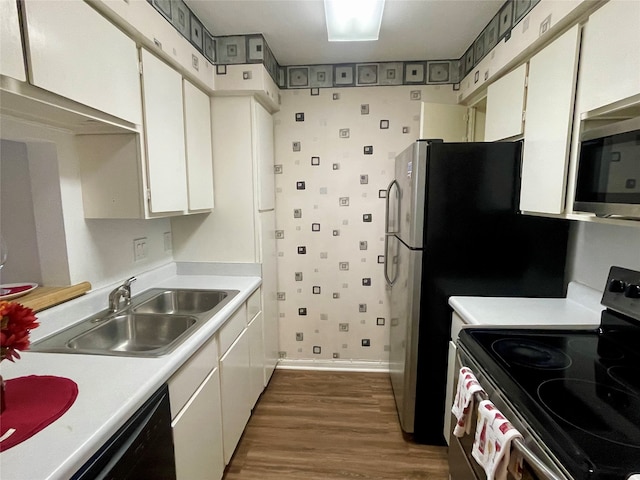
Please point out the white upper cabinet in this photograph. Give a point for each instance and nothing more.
(263, 152)
(164, 133)
(549, 114)
(447, 122)
(62, 41)
(610, 59)
(197, 119)
(11, 57)
(505, 105)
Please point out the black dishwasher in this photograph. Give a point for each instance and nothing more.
(141, 449)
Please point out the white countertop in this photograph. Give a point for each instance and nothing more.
(110, 389)
(580, 309)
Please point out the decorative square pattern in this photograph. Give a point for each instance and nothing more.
(343, 75)
(317, 350)
(367, 218)
(302, 250)
(478, 49)
(368, 150)
(506, 17)
(384, 124)
(321, 76)
(197, 37)
(164, 7)
(390, 73)
(316, 290)
(366, 342)
(297, 146)
(380, 321)
(364, 109)
(438, 72)
(343, 266)
(302, 311)
(414, 73)
(520, 8)
(344, 201)
(298, 77)
(315, 161)
(209, 47)
(491, 34)
(231, 50)
(344, 133)
(415, 95)
(255, 48)
(364, 179)
(297, 213)
(362, 308)
(315, 92)
(299, 117)
(315, 227)
(181, 18)
(367, 74)
(468, 60)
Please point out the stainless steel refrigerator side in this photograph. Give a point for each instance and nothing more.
(389, 230)
(410, 173)
(405, 258)
(404, 330)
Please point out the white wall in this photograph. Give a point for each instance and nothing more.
(595, 247)
(71, 248)
(18, 231)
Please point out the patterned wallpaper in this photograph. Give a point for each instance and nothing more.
(335, 151)
(241, 49)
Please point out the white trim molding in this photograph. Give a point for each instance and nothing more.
(328, 365)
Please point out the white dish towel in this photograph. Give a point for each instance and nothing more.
(492, 444)
(464, 402)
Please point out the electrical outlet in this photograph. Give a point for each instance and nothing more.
(139, 249)
(168, 245)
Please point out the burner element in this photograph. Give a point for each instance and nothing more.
(628, 377)
(599, 410)
(532, 354)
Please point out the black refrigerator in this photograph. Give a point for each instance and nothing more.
(453, 228)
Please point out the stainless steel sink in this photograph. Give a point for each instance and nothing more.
(155, 323)
(185, 302)
(134, 333)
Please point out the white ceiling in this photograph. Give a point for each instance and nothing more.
(295, 29)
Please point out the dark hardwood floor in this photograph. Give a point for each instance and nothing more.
(327, 425)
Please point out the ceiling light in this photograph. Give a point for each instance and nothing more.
(353, 20)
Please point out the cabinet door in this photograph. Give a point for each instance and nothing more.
(505, 105)
(234, 390)
(75, 52)
(256, 358)
(164, 131)
(269, 261)
(263, 153)
(547, 137)
(439, 120)
(197, 123)
(11, 57)
(610, 62)
(197, 434)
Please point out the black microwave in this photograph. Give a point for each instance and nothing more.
(608, 179)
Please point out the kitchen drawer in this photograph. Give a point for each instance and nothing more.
(254, 305)
(188, 378)
(234, 327)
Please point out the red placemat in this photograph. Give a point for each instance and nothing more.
(32, 403)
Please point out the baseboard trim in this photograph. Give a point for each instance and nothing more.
(334, 365)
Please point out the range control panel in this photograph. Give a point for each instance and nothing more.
(622, 292)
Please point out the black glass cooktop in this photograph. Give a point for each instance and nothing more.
(578, 389)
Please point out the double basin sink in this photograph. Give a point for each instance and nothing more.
(155, 323)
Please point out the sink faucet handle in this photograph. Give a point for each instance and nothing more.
(129, 281)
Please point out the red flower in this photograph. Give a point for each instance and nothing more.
(16, 322)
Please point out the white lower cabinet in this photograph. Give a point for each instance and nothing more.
(197, 434)
(256, 358)
(234, 389)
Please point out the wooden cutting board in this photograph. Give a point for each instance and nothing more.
(45, 297)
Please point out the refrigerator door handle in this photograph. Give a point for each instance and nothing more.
(387, 204)
(386, 257)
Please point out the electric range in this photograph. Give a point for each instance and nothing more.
(577, 392)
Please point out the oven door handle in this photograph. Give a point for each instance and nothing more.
(518, 443)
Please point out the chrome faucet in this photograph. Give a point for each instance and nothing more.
(122, 292)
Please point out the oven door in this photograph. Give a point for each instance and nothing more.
(462, 465)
